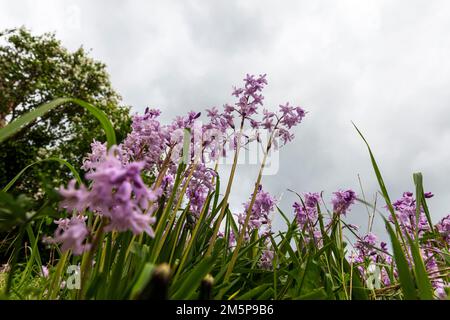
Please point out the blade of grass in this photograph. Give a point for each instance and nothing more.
(406, 279)
(425, 289)
(61, 161)
(32, 115)
(192, 282)
(420, 199)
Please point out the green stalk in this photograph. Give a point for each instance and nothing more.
(55, 284)
(249, 211)
(191, 240)
(342, 257)
(227, 192)
(160, 244)
(163, 171)
(87, 260)
(200, 220)
(17, 246)
(168, 206)
(35, 256)
(177, 234)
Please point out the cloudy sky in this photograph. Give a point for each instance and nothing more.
(382, 64)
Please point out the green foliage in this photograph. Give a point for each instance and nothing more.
(14, 211)
(405, 277)
(177, 263)
(34, 70)
(16, 125)
(38, 69)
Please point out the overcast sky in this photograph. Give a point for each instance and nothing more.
(382, 64)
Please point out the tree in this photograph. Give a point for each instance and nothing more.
(37, 69)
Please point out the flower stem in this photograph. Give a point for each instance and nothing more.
(227, 192)
(175, 210)
(249, 211)
(86, 264)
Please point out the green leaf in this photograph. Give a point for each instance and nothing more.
(420, 199)
(406, 279)
(61, 161)
(284, 217)
(35, 256)
(29, 117)
(193, 238)
(254, 292)
(193, 279)
(377, 173)
(216, 192)
(316, 294)
(269, 293)
(382, 187)
(423, 282)
(14, 211)
(143, 279)
(358, 291)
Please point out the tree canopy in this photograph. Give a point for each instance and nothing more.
(35, 69)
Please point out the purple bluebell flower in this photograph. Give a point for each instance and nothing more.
(97, 155)
(266, 259)
(117, 193)
(443, 227)
(260, 216)
(73, 198)
(44, 271)
(306, 217)
(71, 234)
(367, 258)
(342, 201)
(405, 211)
